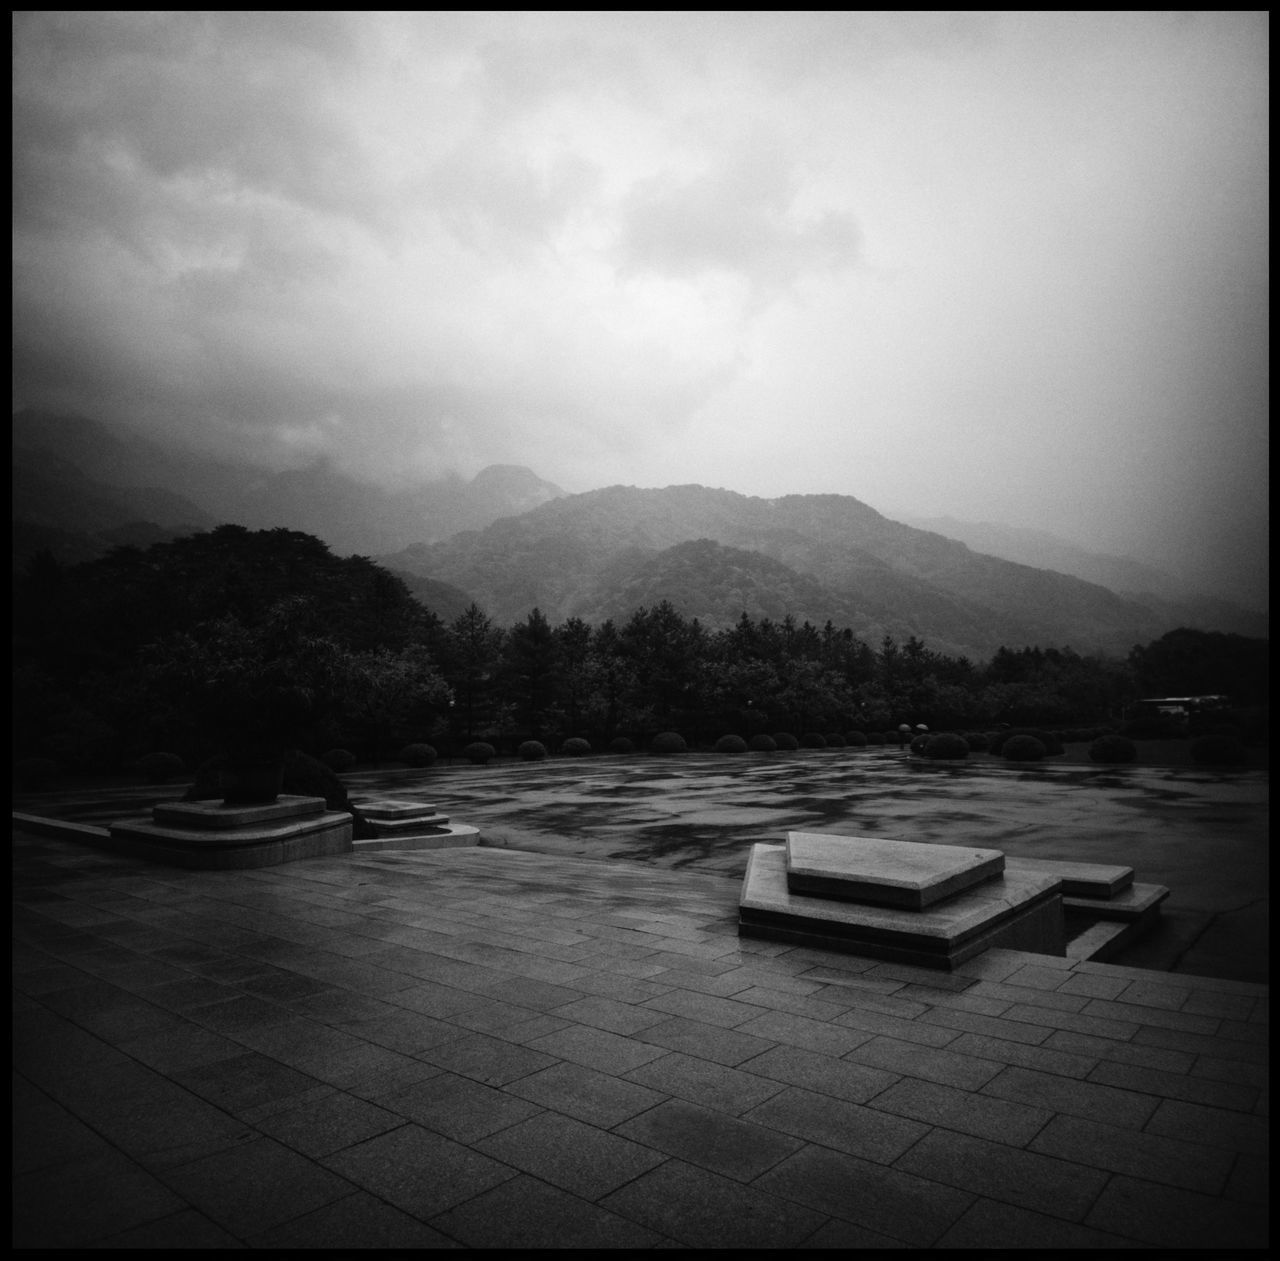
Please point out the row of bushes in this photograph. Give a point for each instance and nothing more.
(1015, 745)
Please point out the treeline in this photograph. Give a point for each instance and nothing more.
(183, 645)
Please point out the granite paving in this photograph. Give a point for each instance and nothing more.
(490, 1047)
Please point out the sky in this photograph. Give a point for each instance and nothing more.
(1004, 267)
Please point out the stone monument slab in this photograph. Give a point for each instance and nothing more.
(885, 873)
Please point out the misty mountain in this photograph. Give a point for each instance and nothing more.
(599, 554)
(78, 475)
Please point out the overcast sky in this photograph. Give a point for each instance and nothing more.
(1007, 267)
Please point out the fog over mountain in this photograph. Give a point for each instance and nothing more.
(1003, 266)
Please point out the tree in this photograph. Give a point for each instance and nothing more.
(472, 656)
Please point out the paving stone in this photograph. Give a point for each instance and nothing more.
(611, 1014)
(845, 1235)
(327, 1125)
(527, 992)
(708, 1042)
(1133, 1013)
(358, 1222)
(81, 1201)
(704, 1210)
(992, 1026)
(188, 1046)
(488, 1060)
(802, 1031)
(1153, 1081)
(1217, 1127)
(587, 1161)
(181, 1230)
(1166, 1217)
(1200, 1044)
(577, 1091)
(1043, 1184)
(839, 1078)
(1000, 1120)
(406, 1031)
(1027, 996)
(700, 1081)
(1094, 986)
(255, 1187)
(723, 1144)
(838, 1124)
(597, 1048)
(1078, 1098)
(990, 1224)
(1049, 1019)
(1169, 1161)
(45, 1134)
(525, 1213)
(888, 1201)
(457, 1107)
(1208, 1067)
(1120, 1052)
(910, 1059)
(1250, 1180)
(875, 1022)
(726, 1012)
(244, 1082)
(822, 1009)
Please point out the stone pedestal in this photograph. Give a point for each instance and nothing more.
(215, 835)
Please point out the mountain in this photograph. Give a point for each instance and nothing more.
(825, 557)
(80, 476)
(1161, 592)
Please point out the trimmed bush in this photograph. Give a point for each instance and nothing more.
(478, 753)
(35, 774)
(731, 744)
(620, 744)
(762, 743)
(835, 740)
(668, 742)
(417, 755)
(920, 743)
(1023, 748)
(977, 741)
(1052, 745)
(785, 740)
(160, 768)
(1113, 749)
(532, 751)
(1218, 751)
(339, 760)
(575, 746)
(875, 737)
(813, 740)
(856, 740)
(948, 745)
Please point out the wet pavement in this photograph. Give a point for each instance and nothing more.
(1201, 833)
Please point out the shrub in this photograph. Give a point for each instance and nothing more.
(575, 746)
(1052, 745)
(762, 743)
(785, 740)
(35, 774)
(731, 744)
(620, 744)
(1113, 749)
(946, 744)
(1023, 748)
(668, 742)
(160, 768)
(532, 751)
(856, 739)
(835, 740)
(875, 737)
(339, 760)
(977, 741)
(1218, 751)
(478, 753)
(920, 743)
(417, 755)
(813, 740)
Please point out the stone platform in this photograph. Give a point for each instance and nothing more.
(938, 905)
(217, 836)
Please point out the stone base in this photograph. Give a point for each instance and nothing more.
(1085, 880)
(887, 873)
(1020, 911)
(450, 837)
(216, 836)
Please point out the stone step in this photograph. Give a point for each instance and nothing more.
(1087, 880)
(1138, 903)
(452, 837)
(882, 872)
(1018, 911)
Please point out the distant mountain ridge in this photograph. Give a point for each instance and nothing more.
(512, 541)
